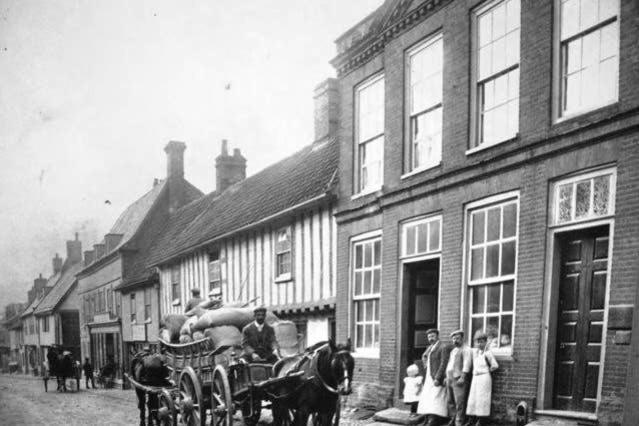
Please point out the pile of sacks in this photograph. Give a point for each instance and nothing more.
(223, 325)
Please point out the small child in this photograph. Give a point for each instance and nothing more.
(412, 387)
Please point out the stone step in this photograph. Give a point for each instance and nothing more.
(398, 417)
(563, 418)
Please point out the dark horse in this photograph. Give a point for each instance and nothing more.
(328, 374)
(148, 369)
(61, 366)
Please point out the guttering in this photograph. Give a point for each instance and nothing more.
(245, 227)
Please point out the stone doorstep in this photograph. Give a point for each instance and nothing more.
(397, 416)
(563, 418)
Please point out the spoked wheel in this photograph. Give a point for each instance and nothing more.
(222, 408)
(167, 415)
(191, 405)
(251, 415)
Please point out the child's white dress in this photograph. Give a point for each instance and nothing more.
(412, 386)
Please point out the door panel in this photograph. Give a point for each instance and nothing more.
(582, 290)
(423, 291)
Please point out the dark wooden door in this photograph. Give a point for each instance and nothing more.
(582, 293)
(423, 282)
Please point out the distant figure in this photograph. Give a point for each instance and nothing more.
(194, 301)
(45, 374)
(258, 339)
(77, 367)
(88, 373)
(412, 387)
(480, 395)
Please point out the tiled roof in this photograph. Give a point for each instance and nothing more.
(53, 279)
(59, 291)
(303, 176)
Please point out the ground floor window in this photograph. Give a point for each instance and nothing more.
(366, 286)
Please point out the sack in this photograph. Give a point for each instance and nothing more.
(185, 338)
(173, 323)
(188, 324)
(286, 335)
(198, 335)
(224, 335)
(238, 317)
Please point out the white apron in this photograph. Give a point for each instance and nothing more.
(433, 398)
(480, 393)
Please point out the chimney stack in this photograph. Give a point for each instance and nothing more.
(57, 264)
(175, 173)
(229, 169)
(89, 257)
(326, 98)
(99, 250)
(74, 251)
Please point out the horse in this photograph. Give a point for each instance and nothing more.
(61, 366)
(328, 374)
(150, 370)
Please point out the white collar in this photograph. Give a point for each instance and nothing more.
(259, 326)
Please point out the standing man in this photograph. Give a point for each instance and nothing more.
(432, 400)
(458, 378)
(88, 373)
(258, 339)
(194, 301)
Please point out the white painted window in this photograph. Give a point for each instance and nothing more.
(175, 284)
(215, 273)
(45, 324)
(425, 78)
(497, 72)
(147, 304)
(491, 269)
(366, 285)
(584, 197)
(369, 134)
(422, 236)
(283, 253)
(589, 54)
(132, 308)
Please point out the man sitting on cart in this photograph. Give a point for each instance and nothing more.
(258, 340)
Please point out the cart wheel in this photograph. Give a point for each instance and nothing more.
(167, 415)
(222, 408)
(192, 409)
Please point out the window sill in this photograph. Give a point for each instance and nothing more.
(176, 302)
(283, 278)
(419, 170)
(583, 113)
(484, 147)
(366, 192)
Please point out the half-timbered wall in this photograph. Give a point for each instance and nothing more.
(247, 263)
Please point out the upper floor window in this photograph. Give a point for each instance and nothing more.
(175, 283)
(425, 65)
(215, 274)
(589, 54)
(109, 296)
(147, 304)
(369, 134)
(45, 324)
(496, 59)
(366, 287)
(283, 253)
(133, 308)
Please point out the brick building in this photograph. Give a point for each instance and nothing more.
(488, 172)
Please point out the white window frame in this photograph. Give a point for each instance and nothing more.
(175, 271)
(372, 237)
(408, 226)
(147, 303)
(559, 113)
(420, 48)
(477, 83)
(133, 308)
(369, 188)
(287, 231)
(574, 179)
(467, 314)
(217, 283)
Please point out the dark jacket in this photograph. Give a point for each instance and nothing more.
(261, 342)
(88, 369)
(439, 353)
(192, 303)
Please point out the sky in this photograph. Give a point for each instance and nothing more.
(91, 92)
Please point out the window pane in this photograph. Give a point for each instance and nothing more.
(477, 263)
(433, 231)
(499, 21)
(493, 298)
(492, 330)
(589, 11)
(376, 310)
(600, 197)
(607, 9)
(512, 48)
(608, 80)
(492, 260)
(508, 258)
(507, 297)
(359, 311)
(510, 220)
(358, 256)
(358, 283)
(368, 338)
(368, 255)
(479, 303)
(485, 29)
(422, 236)
(410, 240)
(512, 15)
(573, 56)
(494, 224)
(377, 247)
(582, 195)
(366, 288)
(505, 338)
(569, 18)
(376, 280)
(485, 61)
(369, 310)
(477, 324)
(499, 55)
(565, 203)
(478, 227)
(573, 92)
(359, 341)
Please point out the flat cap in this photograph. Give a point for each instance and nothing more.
(432, 330)
(259, 309)
(456, 332)
(195, 290)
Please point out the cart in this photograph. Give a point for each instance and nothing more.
(212, 381)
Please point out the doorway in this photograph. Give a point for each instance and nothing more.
(422, 281)
(582, 278)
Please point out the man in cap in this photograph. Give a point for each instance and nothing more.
(432, 400)
(258, 339)
(458, 368)
(194, 301)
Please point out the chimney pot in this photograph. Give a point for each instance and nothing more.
(57, 264)
(74, 250)
(175, 159)
(225, 147)
(229, 169)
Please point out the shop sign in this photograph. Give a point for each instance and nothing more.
(102, 318)
(138, 332)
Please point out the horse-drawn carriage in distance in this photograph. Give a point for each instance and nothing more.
(197, 383)
(63, 364)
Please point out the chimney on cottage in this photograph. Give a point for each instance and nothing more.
(57, 264)
(112, 240)
(326, 97)
(89, 257)
(175, 173)
(99, 250)
(74, 250)
(229, 169)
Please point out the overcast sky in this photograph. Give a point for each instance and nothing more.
(91, 91)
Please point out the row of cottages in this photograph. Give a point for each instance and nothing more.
(489, 168)
(33, 356)
(114, 265)
(13, 324)
(266, 240)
